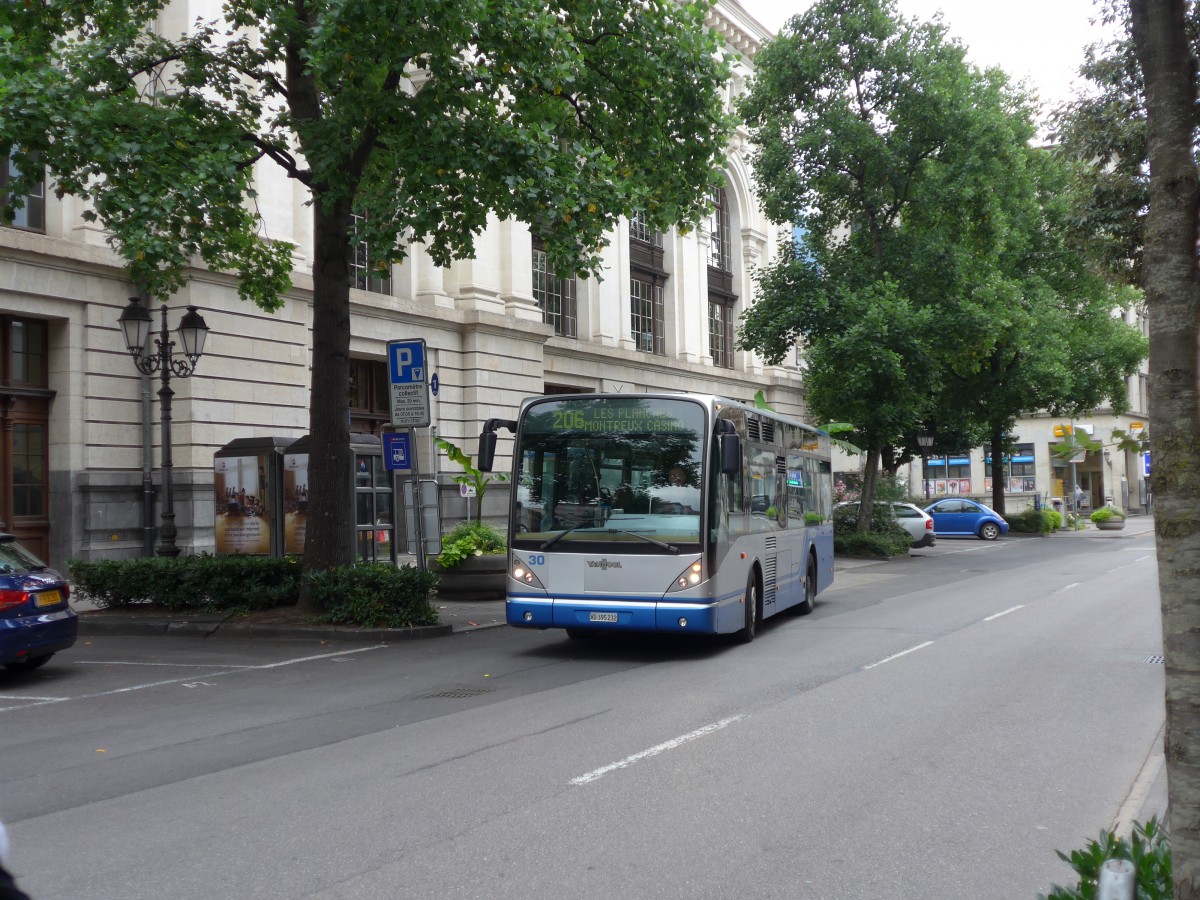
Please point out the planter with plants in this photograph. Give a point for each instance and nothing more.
(1108, 518)
(472, 564)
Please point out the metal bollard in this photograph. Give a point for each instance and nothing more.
(1117, 881)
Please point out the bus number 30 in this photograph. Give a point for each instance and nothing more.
(537, 559)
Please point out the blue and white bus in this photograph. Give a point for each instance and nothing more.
(678, 513)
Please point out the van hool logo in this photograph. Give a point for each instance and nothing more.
(603, 564)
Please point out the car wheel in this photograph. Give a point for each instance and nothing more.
(989, 531)
(750, 602)
(28, 665)
(810, 588)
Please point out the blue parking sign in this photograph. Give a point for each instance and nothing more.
(406, 362)
(397, 454)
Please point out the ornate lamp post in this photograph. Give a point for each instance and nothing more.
(924, 441)
(136, 324)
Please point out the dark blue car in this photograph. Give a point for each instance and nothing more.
(35, 620)
(960, 516)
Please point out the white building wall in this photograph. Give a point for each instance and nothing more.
(485, 335)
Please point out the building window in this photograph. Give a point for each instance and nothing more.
(721, 298)
(32, 215)
(29, 470)
(555, 296)
(369, 402)
(948, 475)
(720, 256)
(365, 271)
(639, 230)
(720, 332)
(647, 316)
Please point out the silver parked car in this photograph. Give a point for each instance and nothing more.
(912, 519)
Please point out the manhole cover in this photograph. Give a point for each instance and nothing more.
(461, 693)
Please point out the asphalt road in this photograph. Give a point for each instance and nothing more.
(936, 729)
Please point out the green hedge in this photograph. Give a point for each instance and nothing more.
(375, 595)
(366, 595)
(202, 583)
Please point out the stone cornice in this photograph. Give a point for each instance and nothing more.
(739, 29)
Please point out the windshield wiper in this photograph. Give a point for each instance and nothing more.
(562, 534)
(663, 544)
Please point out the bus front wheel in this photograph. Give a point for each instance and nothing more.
(805, 606)
(750, 600)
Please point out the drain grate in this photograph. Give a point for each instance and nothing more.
(1154, 660)
(460, 693)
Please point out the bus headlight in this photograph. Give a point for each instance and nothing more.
(521, 572)
(688, 578)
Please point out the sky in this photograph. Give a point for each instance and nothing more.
(1041, 41)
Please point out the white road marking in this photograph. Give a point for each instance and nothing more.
(227, 670)
(655, 750)
(1140, 558)
(1004, 613)
(898, 655)
(1073, 584)
(121, 662)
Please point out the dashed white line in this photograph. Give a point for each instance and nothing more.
(898, 655)
(1004, 613)
(655, 750)
(1067, 587)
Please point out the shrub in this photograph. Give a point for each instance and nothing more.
(1034, 521)
(202, 583)
(470, 539)
(887, 538)
(374, 595)
(1148, 850)
(1105, 513)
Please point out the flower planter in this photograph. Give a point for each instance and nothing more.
(475, 578)
(1113, 524)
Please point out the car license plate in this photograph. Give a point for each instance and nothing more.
(602, 617)
(48, 598)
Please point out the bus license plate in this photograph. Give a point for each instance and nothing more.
(602, 617)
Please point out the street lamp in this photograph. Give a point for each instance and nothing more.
(925, 441)
(136, 323)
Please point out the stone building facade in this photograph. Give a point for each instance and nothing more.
(79, 426)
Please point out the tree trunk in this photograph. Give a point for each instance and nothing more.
(870, 481)
(330, 526)
(998, 471)
(1173, 302)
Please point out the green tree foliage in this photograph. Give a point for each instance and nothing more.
(930, 288)
(1102, 132)
(424, 117)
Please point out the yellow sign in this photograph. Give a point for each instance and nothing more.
(1137, 426)
(1062, 430)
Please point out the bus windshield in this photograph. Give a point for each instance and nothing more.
(612, 471)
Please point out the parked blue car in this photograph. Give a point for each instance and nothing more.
(959, 516)
(35, 619)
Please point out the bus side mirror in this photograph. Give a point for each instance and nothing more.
(487, 450)
(731, 454)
